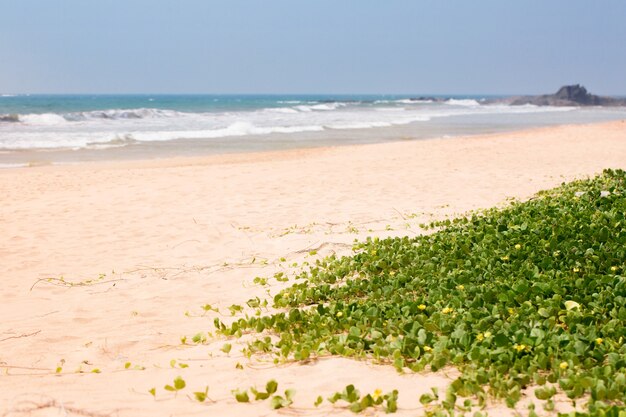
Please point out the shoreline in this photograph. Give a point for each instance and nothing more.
(434, 127)
(133, 250)
(273, 154)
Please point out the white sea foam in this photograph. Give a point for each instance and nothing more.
(321, 107)
(45, 119)
(462, 102)
(412, 101)
(402, 101)
(362, 125)
(104, 129)
(235, 129)
(117, 142)
(390, 109)
(525, 108)
(284, 110)
(12, 165)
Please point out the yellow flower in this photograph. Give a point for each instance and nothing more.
(519, 348)
(460, 287)
(511, 311)
(339, 314)
(447, 310)
(599, 341)
(427, 348)
(563, 365)
(480, 337)
(613, 268)
(377, 393)
(576, 269)
(518, 246)
(421, 307)
(505, 258)
(487, 334)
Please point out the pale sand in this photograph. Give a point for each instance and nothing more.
(167, 227)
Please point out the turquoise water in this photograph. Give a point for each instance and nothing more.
(61, 128)
(60, 104)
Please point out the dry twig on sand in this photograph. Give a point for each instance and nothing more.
(60, 282)
(20, 336)
(27, 406)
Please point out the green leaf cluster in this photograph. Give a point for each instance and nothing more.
(276, 401)
(202, 396)
(357, 402)
(179, 384)
(603, 410)
(531, 294)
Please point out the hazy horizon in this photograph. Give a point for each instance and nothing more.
(297, 94)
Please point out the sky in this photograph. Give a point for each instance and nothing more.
(312, 46)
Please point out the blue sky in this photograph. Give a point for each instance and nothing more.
(315, 46)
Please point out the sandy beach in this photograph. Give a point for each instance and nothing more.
(109, 264)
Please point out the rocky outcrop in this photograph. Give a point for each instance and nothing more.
(569, 95)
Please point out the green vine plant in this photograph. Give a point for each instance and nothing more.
(174, 363)
(62, 282)
(129, 366)
(202, 396)
(358, 403)
(434, 407)
(529, 295)
(271, 387)
(178, 384)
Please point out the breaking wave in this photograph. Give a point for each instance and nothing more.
(45, 119)
(462, 102)
(117, 142)
(117, 114)
(111, 128)
(113, 114)
(321, 106)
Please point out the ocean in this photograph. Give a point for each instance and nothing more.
(74, 128)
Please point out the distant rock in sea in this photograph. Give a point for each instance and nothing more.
(569, 95)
